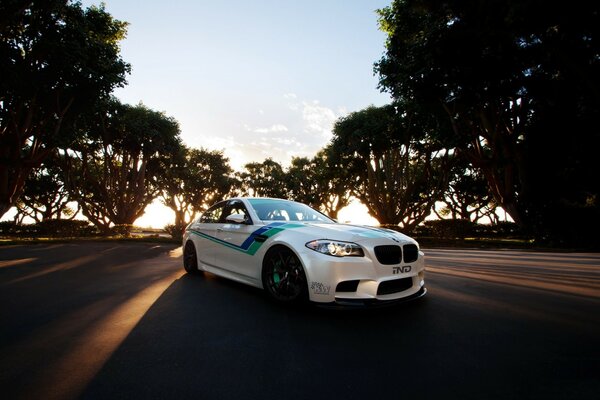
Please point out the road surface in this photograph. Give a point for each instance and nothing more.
(117, 320)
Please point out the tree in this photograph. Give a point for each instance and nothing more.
(45, 196)
(319, 183)
(399, 176)
(193, 180)
(301, 180)
(113, 171)
(335, 182)
(467, 196)
(266, 179)
(56, 59)
(513, 79)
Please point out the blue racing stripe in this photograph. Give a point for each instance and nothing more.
(250, 239)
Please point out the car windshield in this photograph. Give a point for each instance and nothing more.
(283, 210)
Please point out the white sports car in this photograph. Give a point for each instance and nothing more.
(296, 253)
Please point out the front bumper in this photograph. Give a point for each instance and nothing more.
(362, 280)
(371, 303)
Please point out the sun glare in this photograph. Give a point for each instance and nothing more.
(356, 213)
(157, 215)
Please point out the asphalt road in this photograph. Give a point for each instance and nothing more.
(110, 321)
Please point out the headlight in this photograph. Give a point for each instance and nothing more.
(335, 248)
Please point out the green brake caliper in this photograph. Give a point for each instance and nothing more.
(276, 276)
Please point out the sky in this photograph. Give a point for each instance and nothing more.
(255, 79)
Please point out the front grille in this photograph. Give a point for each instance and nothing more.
(394, 286)
(347, 286)
(389, 254)
(411, 253)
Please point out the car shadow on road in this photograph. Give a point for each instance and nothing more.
(210, 337)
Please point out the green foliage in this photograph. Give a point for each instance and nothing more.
(316, 182)
(302, 182)
(461, 229)
(175, 230)
(335, 183)
(192, 180)
(452, 228)
(121, 230)
(8, 227)
(113, 169)
(396, 173)
(468, 196)
(45, 195)
(64, 228)
(56, 60)
(517, 82)
(501, 230)
(54, 228)
(266, 179)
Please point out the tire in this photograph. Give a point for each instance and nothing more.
(283, 276)
(190, 259)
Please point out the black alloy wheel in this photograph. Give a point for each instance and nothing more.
(283, 276)
(190, 262)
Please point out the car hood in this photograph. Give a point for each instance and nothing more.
(355, 233)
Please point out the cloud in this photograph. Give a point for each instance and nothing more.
(274, 128)
(318, 119)
(306, 129)
(289, 127)
(287, 141)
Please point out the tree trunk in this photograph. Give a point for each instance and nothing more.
(180, 218)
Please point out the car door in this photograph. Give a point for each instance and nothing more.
(234, 254)
(205, 234)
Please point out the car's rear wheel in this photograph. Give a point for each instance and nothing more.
(190, 260)
(283, 276)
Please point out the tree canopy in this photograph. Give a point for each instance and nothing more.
(56, 60)
(319, 183)
(192, 180)
(499, 99)
(518, 83)
(398, 176)
(263, 179)
(45, 195)
(113, 169)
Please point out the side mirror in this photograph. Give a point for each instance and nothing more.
(236, 219)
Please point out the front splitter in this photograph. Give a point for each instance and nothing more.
(371, 303)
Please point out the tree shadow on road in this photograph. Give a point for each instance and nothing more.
(213, 338)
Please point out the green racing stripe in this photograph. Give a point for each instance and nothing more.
(251, 245)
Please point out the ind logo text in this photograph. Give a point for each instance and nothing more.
(401, 270)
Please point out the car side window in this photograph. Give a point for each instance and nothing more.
(213, 214)
(235, 207)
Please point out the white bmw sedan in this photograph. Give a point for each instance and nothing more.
(297, 253)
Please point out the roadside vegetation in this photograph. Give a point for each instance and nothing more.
(62, 230)
(494, 108)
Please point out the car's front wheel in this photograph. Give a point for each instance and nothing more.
(190, 260)
(283, 276)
